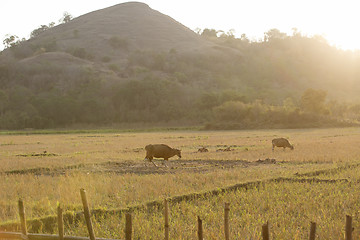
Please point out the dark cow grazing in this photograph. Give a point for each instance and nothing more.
(160, 151)
(281, 142)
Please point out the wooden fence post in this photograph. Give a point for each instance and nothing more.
(200, 229)
(312, 231)
(87, 214)
(265, 231)
(22, 217)
(226, 221)
(60, 223)
(166, 217)
(128, 226)
(348, 228)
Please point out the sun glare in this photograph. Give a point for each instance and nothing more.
(337, 23)
(345, 41)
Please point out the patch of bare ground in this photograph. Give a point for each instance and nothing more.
(146, 167)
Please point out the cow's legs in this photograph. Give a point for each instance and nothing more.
(150, 160)
(164, 162)
(153, 163)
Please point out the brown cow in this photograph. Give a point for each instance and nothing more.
(160, 151)
(281, 142)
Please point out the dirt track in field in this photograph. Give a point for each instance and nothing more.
(174, 166)
(146, 167)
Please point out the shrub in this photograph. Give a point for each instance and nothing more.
(80, 53)
(114, 67)
(49, 45)
(106, 59)
(118, 43)
(239, 115)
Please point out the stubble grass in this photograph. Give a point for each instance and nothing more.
(315, 149)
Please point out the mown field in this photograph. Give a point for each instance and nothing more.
(46, 169)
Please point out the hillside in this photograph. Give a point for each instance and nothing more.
(140, 26)
(116, 31)
(131, 64)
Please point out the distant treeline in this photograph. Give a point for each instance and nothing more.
(280, 81)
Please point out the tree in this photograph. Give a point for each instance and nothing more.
(230, 34)
(208, 100)
(12, 40)
(41, 29)
(244, 38)
(274, 34)
(313, 101)
(4, 75)
(209, 33)
(38, 31)
(4, 100)
(19, 96)
(296, 32)
(197, 30)
(232, 111)
(289, 105)
(66, 18)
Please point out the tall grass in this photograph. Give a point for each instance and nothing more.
(289, 208)
(41, 193)
(315, 149)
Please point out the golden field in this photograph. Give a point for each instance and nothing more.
(111, 168)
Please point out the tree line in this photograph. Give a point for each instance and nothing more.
(280, 81)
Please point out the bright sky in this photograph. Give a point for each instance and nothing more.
(336, 20)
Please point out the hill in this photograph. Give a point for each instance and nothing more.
(116, 31)
(129, 63)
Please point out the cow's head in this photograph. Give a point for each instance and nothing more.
(292, 147)
(178, 153)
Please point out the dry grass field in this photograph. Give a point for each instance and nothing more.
(46, 169)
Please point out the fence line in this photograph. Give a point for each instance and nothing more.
(166, 218)
(60, 223)
(87, 214)
(348, 229)
(226, 221)
(181, 198)
(200, 229)
(22, 217)
(312, 231)
(24, 235)
(37, 236)
(128, 226)
(265, 231)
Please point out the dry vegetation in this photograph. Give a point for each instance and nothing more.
(287, 207)
(110, 167)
